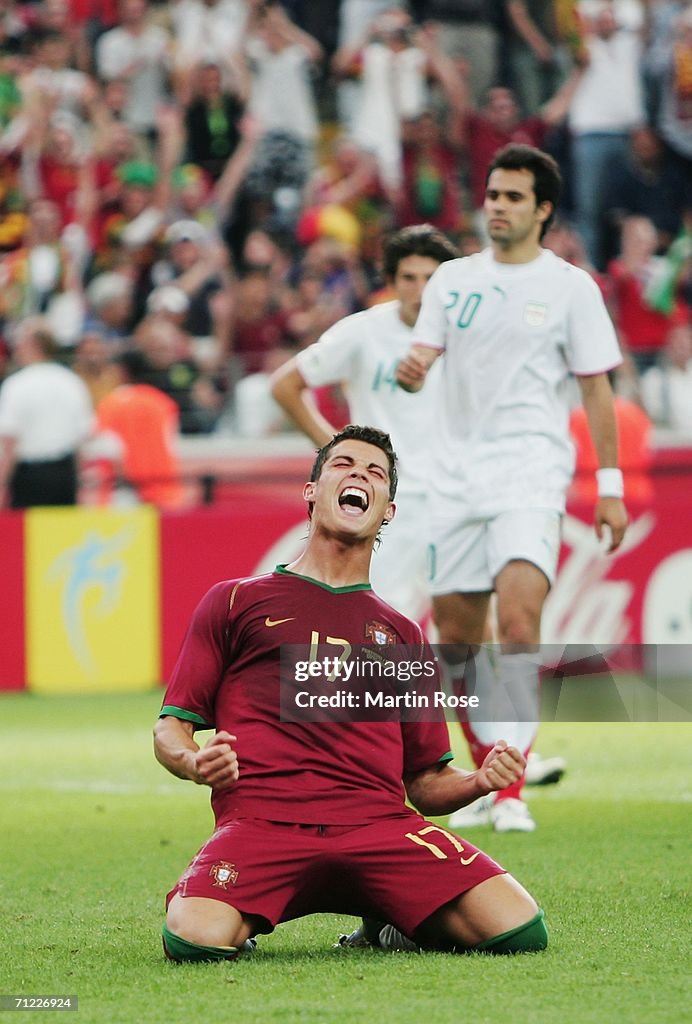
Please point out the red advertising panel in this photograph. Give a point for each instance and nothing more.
(12, 645)
(264, 524)
(641, 594)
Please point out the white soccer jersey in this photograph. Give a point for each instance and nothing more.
(362, 352)
(512, 333)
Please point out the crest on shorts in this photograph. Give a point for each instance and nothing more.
(378, 633)
(535, 313)
(223, 874)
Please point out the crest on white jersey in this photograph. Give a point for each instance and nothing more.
(535, 313)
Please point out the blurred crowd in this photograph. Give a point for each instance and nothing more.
(191, 191)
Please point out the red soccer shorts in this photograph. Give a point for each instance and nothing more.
(399, 870)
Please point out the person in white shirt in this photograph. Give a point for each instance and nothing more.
(136, 52)
(667, 388)
(361, 353)
(608, 103)
(207, 31)
(281, 58)
(513, 321)
(45, 416)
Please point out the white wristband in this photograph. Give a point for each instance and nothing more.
(610, 483)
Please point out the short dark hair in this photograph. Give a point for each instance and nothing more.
(369, 435)
(135, 365)
(417, 240)
(547, 180)
(39, 330)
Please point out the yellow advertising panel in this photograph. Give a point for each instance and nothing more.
(92, 599)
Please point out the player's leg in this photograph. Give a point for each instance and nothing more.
(425, 886)
(196, 926)
(460, 620)
(496, 916)
(237, 885)
(523, 547)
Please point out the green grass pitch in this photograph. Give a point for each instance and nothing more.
(93, 832)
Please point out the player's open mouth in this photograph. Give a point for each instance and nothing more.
(354, 500)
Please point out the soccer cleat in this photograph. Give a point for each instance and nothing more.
(354, 940)
(544, 771)
(382, 936)
(511, 815)
(473, 815)
(366, 934)
(394, 941)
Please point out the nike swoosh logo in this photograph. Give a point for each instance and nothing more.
(277, 622)
(469, 860)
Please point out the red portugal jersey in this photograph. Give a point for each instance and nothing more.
(227, 677)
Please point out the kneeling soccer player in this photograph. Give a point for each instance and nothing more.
(310, 816)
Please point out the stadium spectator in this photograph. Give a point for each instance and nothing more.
(646, 182)
(64, 171)
(502, 461)
(13, 35)
(136, 52)
(394, 62)
(170, 302)
(93, 362)
(355, 17)
(45, 416)
(145, 420)
(172, 369)
(671, 67)
(543, 41)
(347, 792)
(430, 177)
(360, 354)
(208, 33)
(667, 387)
(191, 197)
(469, 33)
(641, 328)
(40, 276)
(280, 57)
(260, 326)
(565, 242)
(499, 122)
(51, 83)
(109, 306)
(607, 105)
(135, 221)
(212, 121)
(199, 267)
(132, 229)
(262, 251)
(349, 179)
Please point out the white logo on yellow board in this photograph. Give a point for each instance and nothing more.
(94, 564)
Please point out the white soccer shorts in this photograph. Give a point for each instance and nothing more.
(468, 555)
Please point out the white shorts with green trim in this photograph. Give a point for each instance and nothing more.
(468, 554)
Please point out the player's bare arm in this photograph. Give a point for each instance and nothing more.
(597, 398)
(443, 789)
(413, 368)
(291, 391)
(215, 764)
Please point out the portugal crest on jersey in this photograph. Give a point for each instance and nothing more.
(378, 633)
(535, 313)
(223, 874)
